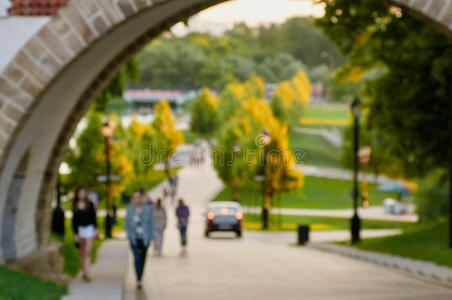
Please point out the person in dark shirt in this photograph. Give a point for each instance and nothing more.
(84, 225)
(182, 214)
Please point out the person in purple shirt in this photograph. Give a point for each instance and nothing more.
(182, 213)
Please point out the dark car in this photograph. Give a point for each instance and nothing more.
(224, 216)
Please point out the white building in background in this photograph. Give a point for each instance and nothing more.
(143, 100)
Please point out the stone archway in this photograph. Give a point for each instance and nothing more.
(47, 87)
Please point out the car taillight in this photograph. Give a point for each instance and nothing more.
(239, 216)
(210, 216)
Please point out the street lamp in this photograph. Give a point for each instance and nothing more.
(355, 221)
(265, 140)
(107, 132)
(236, 181)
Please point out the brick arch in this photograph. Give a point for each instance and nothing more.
(47, 87)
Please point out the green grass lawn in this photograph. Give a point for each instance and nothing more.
(287, 222)
(428, 242)
(71, 258)
(324, 126)
(71, 261)
(318, 193)
(317, 150)
(190, 136)
(19, 285)
(327, 112)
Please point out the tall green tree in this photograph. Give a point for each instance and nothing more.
(204, 113)
(407, 103)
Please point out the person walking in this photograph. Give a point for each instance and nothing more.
(84, 225)
(173, 187)
(140, 231)
(182, 214)
(159, 215)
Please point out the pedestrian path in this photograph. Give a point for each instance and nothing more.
(261, 265)
(332, 136)
(371, 213)
(337, 173)
(107, 274)
(423, 269)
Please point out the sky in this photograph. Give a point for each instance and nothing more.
(260, 11)
(253, 12)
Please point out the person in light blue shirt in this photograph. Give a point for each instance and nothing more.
(140, 231)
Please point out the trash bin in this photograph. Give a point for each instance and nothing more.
(303, 234)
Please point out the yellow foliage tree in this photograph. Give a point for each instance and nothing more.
(297, 89)
(121, 166)
(280, 174)
(140, 129)
(165, 125)
(168, 137)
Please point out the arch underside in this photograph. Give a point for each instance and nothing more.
(50, 84)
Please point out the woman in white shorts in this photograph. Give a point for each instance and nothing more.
(84, 225)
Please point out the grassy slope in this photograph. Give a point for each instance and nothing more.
(317, 150)
(19, 285)
(423, 242)
(319, 193)
(71, 260)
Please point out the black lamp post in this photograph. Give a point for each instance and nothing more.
(236, 192)
(265, 140)
(355, 221)
(449, 82)
(107, 132)
(58, 213)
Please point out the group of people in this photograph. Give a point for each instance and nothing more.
(145, 223)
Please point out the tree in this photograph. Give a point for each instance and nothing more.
(87, 159)
(275, 53)
(167, 137)
(172, 64)
(290, 98)
(279, 67)
(299, 37)
(239, 155)
(407, 103)
(204, 113)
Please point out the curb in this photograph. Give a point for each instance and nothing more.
(418, 268)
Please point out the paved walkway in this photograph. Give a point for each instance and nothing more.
(371, 213)
(337, 173)
(107, 274)
(334, 136)
(261, 265)
(428, 270)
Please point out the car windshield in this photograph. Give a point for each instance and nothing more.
(225, 210)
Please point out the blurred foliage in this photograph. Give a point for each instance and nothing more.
(87, 159)
(204, 113)
(273, 52)
(168, 138)
(406, 106)
(240, 150)
(432, 197)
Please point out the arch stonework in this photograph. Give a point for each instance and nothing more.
(47, 87)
